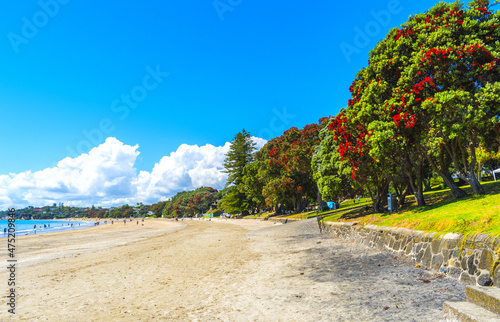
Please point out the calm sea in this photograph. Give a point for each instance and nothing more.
(28, 227)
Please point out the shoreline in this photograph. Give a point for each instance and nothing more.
(27, 228)
(90, 222)
(35, 249)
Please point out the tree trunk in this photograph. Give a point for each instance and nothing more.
(300, 205)
(471, 179)
(409, 166)
(476, 186)
(402, 194)
(454, 188)
(380, 197)
(419, 192)
(442, 170)
(427, 185)
(321, 203)
(479, 172)
(468, 173)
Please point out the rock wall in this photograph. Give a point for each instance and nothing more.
(472, 260)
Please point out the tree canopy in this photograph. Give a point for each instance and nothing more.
(239, 155)
(429, 96)
(189, 203)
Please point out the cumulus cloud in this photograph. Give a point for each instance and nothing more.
(259, 142)
(106, 176)
(106, 171)
(189, 167)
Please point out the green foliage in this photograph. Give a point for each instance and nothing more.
(332, 181)
(253, 183)
(157, 208)
(120, 212)
(239, 155)
(235, 201)
(288, 181)
(429, 96)
(189, 203)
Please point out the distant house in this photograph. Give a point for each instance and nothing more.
(37, 209)
(151, 213)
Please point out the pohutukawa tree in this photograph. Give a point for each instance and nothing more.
(446, 97)
(292, 184)
(330, 173)
(430, 92)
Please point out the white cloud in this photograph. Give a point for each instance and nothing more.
(260, 142)
(189, 167)
(106, 176)
(106, 171)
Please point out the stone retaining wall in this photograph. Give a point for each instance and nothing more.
(471, 260)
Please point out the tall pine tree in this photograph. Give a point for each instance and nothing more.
(240, 154)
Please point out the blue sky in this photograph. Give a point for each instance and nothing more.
(159, 74)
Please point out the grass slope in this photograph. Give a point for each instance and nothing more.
(443, 213)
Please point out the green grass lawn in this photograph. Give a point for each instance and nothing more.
(344, 206)
(443, 213)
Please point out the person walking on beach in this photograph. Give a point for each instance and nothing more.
(124, 221)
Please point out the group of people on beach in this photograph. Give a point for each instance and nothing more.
(97, 223)
(48, 226)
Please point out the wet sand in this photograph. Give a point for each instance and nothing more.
(238, 270)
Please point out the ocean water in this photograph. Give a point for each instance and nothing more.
(27, 227)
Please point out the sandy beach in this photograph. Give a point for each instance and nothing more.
(238, 270)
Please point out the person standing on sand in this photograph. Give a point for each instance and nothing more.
(137, 222)
(124, 221)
